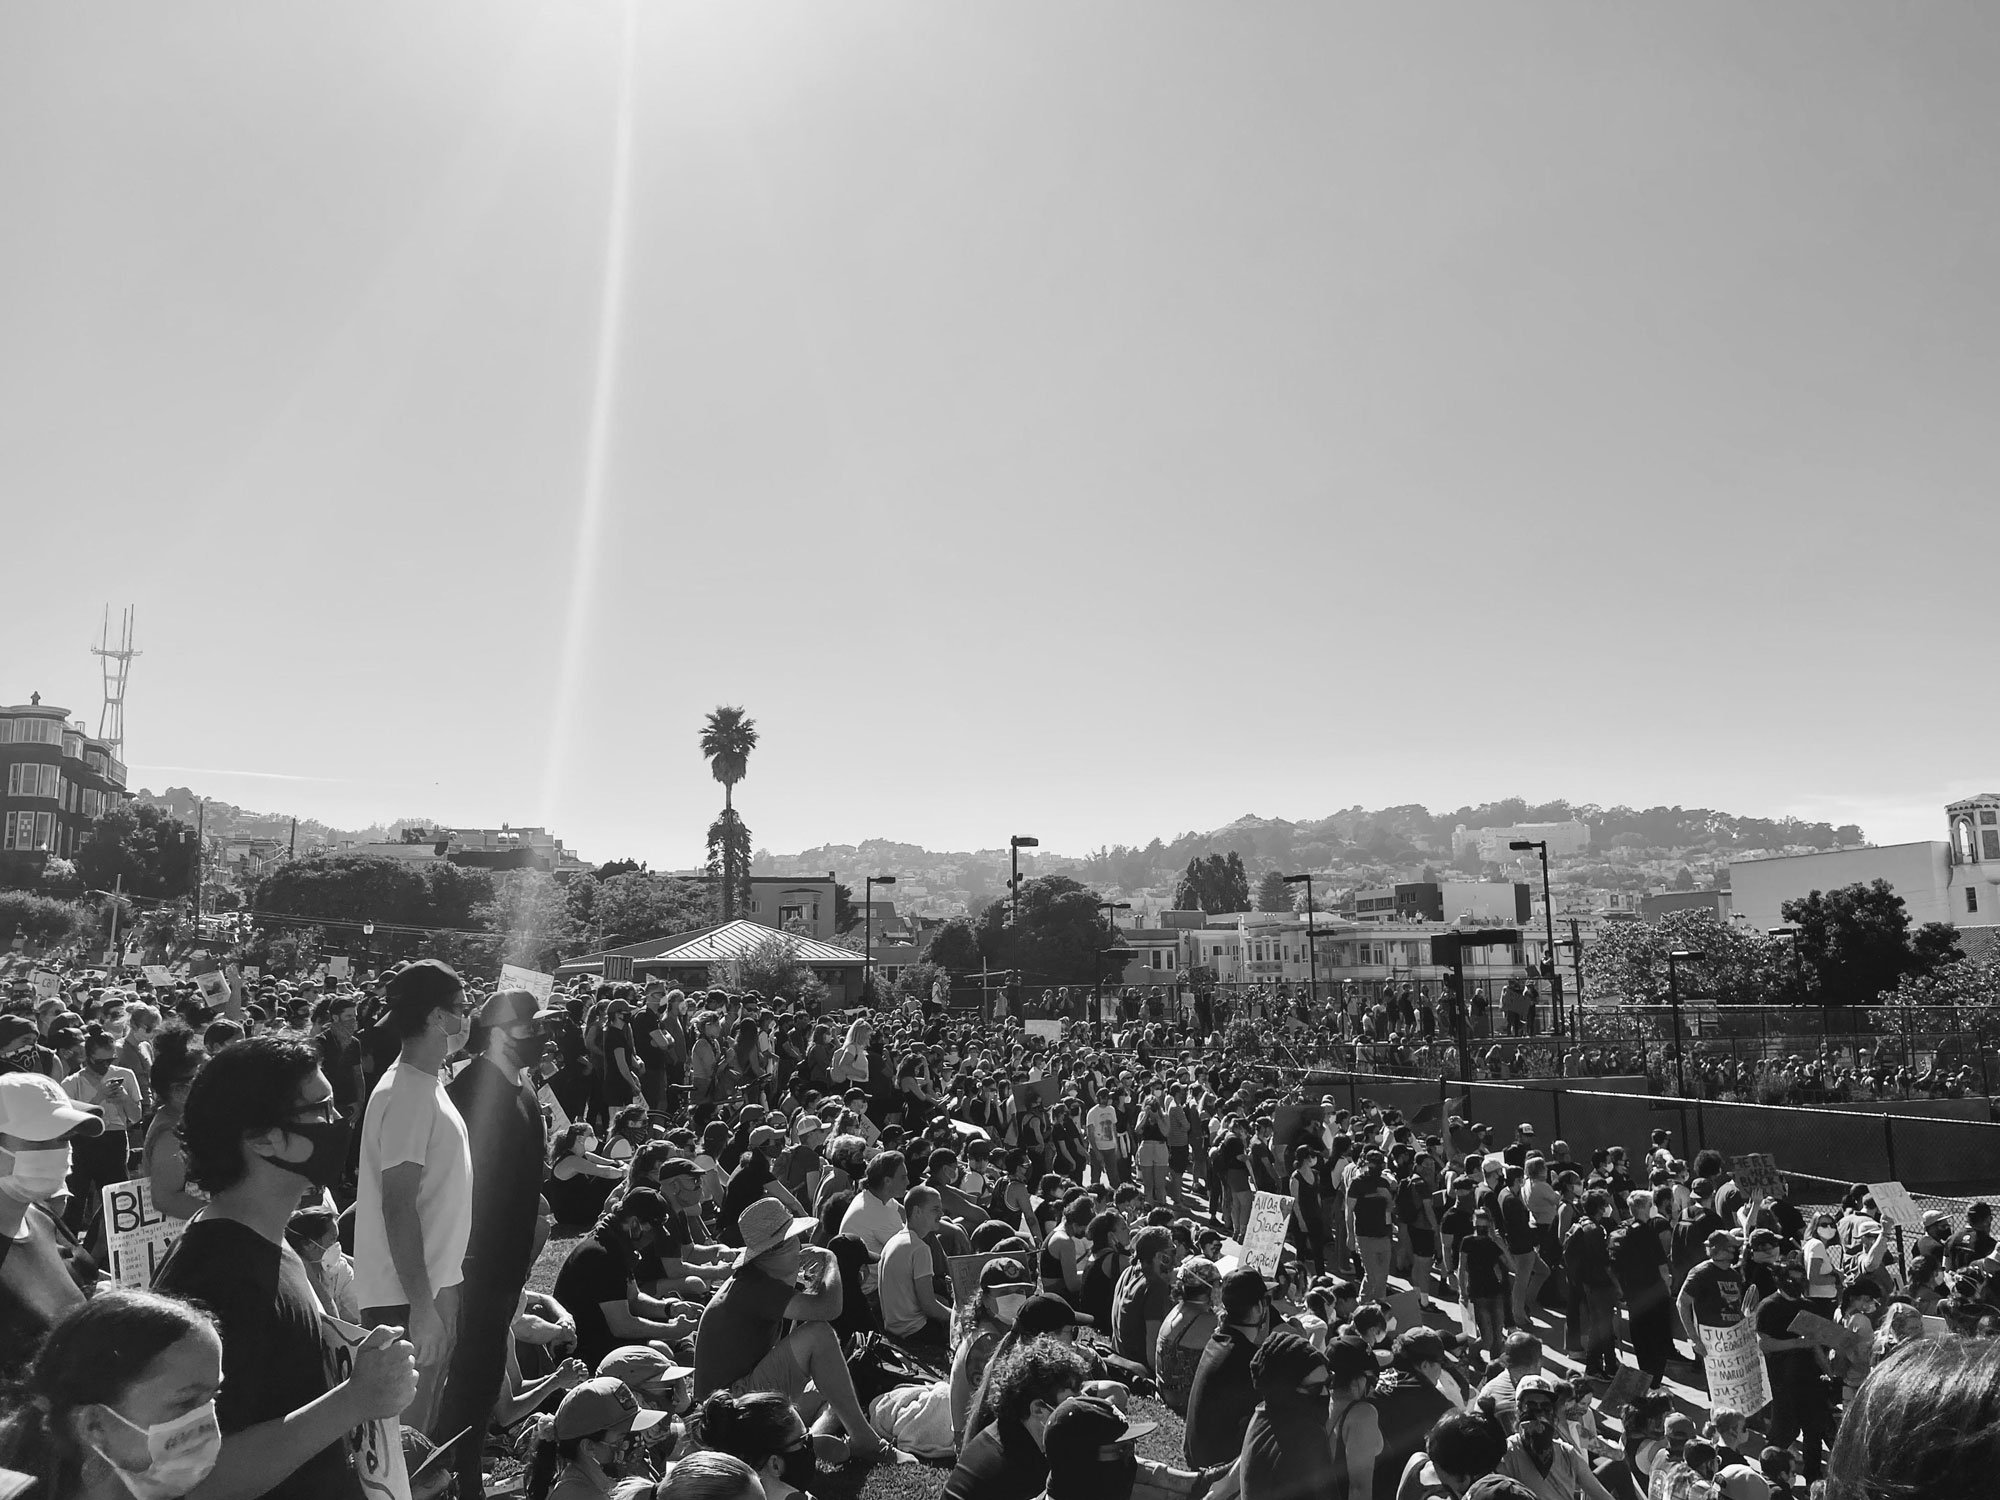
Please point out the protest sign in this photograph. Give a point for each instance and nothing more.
(1049, 1030)
(47, 985)
(617, 968)
(1264, 1240)
(1735, 1366)
(1825, 1333)
(339, 965)
(536, 983)
(251, 971)
(214, 988)
(558, 1116)
(157, 976)
(1046, 1090)
(1756, 1169)
(1897, 1206)
(137, 1235)
(1627, 1386)
(377, 1445)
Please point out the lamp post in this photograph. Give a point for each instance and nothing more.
(1541, 847)
(1097, 954)
(1015, 845)
(368, 943)
(868, 885)
(1312, 948)
(1675, 957)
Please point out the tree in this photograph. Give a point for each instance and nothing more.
(1683, 880)
(1628, 961)
(40, 919)
(613, 867)
(1059, 930)
(727, 738)
(729, 864)
(1272, 892)
(369, 888)
(1214, 884)
(773, 968)
(636, 907)
(155, 853)
(954, 946)
(845, 914)
(1968, 988)
(1855, 942)
(530, 911)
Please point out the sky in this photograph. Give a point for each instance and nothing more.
(1093, 422)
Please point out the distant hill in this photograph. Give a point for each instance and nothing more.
(226, 820)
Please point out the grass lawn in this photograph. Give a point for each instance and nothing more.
(911, 1481)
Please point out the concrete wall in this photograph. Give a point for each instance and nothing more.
(1921, 874)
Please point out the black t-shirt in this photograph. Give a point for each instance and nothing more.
(1220, 1400)
(594, 1272)
(273, 1356)
(652, 1057)
(1638, 1257)
(1369, 1192)
(1484, 1265)
(1717, 1294)
(745, 1186)
(1795, 1367)
(1454, 1224)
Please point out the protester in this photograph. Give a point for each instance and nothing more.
(598, 1282)
(259, 1129)
(1286, 1453)
(1089, 1444)
(764, 1430)
(38, 1125)
(1003, 1458)
(593, 1445)
(413, 1208)
(1223, 1393)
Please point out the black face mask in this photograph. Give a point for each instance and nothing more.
(328, 1160)
(801, 1467)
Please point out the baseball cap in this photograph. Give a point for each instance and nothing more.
(678, 1166)
(14, 1028)
(646, 1205)
(1082, 1426)
(641, 1366)
(764, 1136)
(600, 1404)
(35, 1108)
(1937, 1218)
(1347, 1359)
(516, 1008)
(1046, 1313)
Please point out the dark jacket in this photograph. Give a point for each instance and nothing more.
(1220, 1400)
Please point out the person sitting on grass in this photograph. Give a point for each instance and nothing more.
(738, 1347)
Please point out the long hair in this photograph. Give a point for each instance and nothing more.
(1019, 1374)
(1926, 1425)
(92, 1357)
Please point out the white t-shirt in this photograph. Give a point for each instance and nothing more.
(874, 1221)
(410, 1118)
(903, 1260)
(1103, 1123)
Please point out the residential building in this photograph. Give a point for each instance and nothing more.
(1956, 879)
(59, 779)
(1445, 901)
(795, 903)
(1657, 905)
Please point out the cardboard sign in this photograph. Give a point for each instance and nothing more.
(1052, 1031)
(1758, 1169)
(378, 1445)
(1735, 1366)
(1897, 1206)
(1627, 1386)
(214, 988)
(1264, 1241)
(252, 971)
(339, 966)
(157, 976)
(536, 983)
(47, 986)
(618, 968)
(1046, 1090)
(137, 1235)
(1825, 1333)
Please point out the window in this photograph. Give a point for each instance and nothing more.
(32, 779)
(31, 731)
(1972, 898)
(1989, 843)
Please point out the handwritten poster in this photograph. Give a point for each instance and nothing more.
(377, 1445)
(137, 1235)
(1735, 1367)
(1897, 1206)
(1264, 1241)
(1756, 1169)
(536, 983)
(1049, 1030)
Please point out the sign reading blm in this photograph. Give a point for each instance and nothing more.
(137, 1235)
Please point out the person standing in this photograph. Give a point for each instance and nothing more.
(114, 1093)
(1639, 1266)
(493, 1095)
(260, 1129)
(413, 1209)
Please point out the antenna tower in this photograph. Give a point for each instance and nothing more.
(117, 665)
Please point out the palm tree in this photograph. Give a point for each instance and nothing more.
(727, 738)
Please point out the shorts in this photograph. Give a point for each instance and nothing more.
(1150, 1154)
(778, 1371)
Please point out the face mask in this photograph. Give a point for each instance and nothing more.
(800, 1466)
(613, 1465)
(35, 1176)
(329, 1152)
(330, 1259)
(1825, 1232)
(454, 1034)
(586, 1143)
(181, 1454)
(1007, 1307)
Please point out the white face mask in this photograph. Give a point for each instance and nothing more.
(586, 1143)
(1007, 1307)
(35, 1176)
(182, 1452)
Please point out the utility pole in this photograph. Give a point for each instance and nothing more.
(117, 893)
(200, 858)
(293, 851)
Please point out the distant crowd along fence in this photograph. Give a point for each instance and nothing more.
(1947, 1158)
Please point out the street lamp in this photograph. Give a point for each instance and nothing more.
(1541, 847)
(868, 885)
(1097, 954)
(1675, 957)
(1312, 948)
(1015, 845)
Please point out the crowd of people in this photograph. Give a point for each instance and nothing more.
(793, 1241)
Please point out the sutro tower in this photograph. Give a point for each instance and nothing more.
(117, 664)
